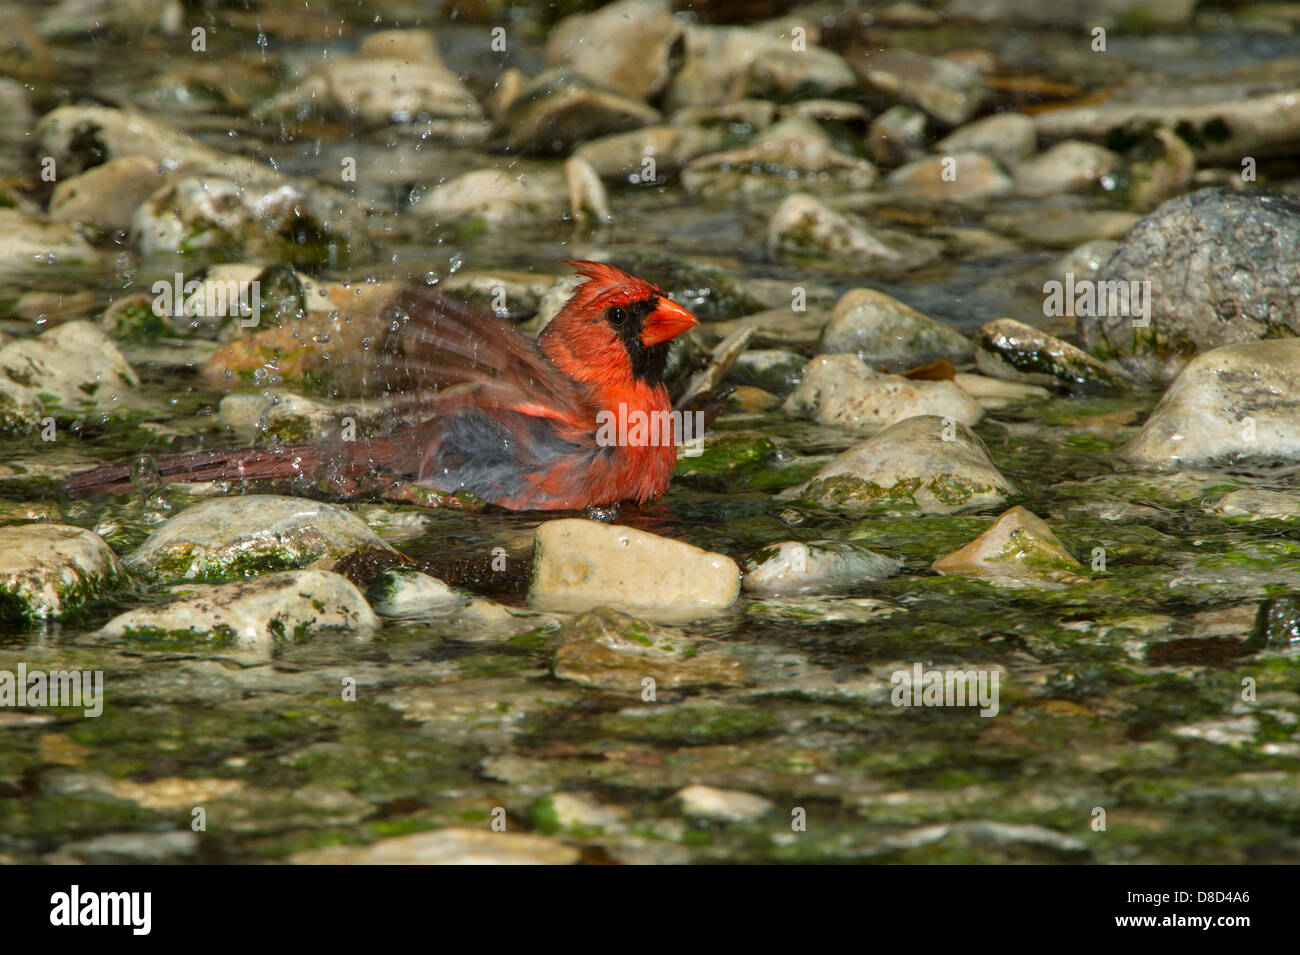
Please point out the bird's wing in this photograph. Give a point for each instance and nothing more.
(435, 342)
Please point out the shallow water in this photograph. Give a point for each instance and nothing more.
(1101, 706)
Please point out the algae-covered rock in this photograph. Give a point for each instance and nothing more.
(927, 464)
(884, 332)
(796, 567)
(774, 370)
(581, 564)
(236, 536)
(843, 390)
(1259, 504)
(405, 593)
(1018, 549)
(51, 570)
(71, 368)
(1015, 351)
(290, 605)
(1235, 402)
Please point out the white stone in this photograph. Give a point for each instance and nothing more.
(75, 364)
(795, 567)
(726, 805)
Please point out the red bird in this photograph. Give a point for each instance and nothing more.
(523, 431)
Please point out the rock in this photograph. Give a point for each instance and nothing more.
(1258, 504)
(577, 813)
(948, 91)
(795, 567)
(290, 605)
(957, 177)
(1066, 167)
(107, 195)
(405, 593)
(451, 846)
(1063, 225)
(72, 368)
(495, 197)
(771, 369)
(580, 564)
(51, 570)
(20, 409)
(559, 110)
(1015, 351)
(1277, 624)
(1221, 121)
(724, 805)
(1018, 549)
(289, 418)
(135, 848)
(1228, 404)
(923, 464)
(743, 117)
(794, 153)
(623, 157)
(236, 536)
(613, 651)
(29, 242)
(727, 64)
(1010, 137)
(1220, 267)
(625, 46)
(1083, 261)
(844, 391)
(898, 135)
(804, 226)
(588, 200)
(992, 393)
(884, 332)
(247, 221)
(407, 45)
(1160, 167)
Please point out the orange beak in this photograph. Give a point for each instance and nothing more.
(667, 321)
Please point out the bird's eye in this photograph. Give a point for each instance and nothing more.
(616, 315)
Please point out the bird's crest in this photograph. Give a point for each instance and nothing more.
(608, 285)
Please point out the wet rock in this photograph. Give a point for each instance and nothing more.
(625, 46)
(15, 121)
(1235, 402)
(744, 117)
(452, 846)
(1064, 226)
(580, 814)
(724, 805)
(72, 368)
(1221, 121)
(991, 393)
(277, 220)
(1220, 266)
(1066, 167)
(134, 848)
(1158, 168)
(774, 370)
(613, 651)
(1277, 624)
(1084, 261)
(588, 201)
(1258, 504)
(1010, 137)
(77, 19)
(957, 177)
(650, 154)
(50, 570)
(406, 594)
(948, 91)
(898, 135)
(290, 605)
(926, 464)
(795, 567)
(726, 64)
(290, 418)
(580, 564)
(1018, 549)
(1017, 352)
(107, 195)
(884, 332)
(235, 536)
(492, 196)
(21, 411)
(844, 391)
(559, 110)
(804, 226)
(795, 153)
(29, 241)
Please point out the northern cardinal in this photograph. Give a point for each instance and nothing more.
(523, 431)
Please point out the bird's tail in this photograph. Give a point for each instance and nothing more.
(242, 464)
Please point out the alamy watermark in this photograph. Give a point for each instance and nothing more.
(213, 298)
(635, 428)
(921, 687)
(83, 689)
(1089, 298)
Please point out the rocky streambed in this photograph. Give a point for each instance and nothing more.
(1000, 316)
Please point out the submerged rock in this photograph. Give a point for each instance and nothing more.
(581, 564)
(1235, 402)
(1015, 351)
(1018, 549)
(1259, 504)
(804, 226)
(72, 368)
(795, 567)
(843, 390)
(290, 605)
(926, 464)
(235, 536)
(51, 570)
(884, 332)
(1221, 267)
